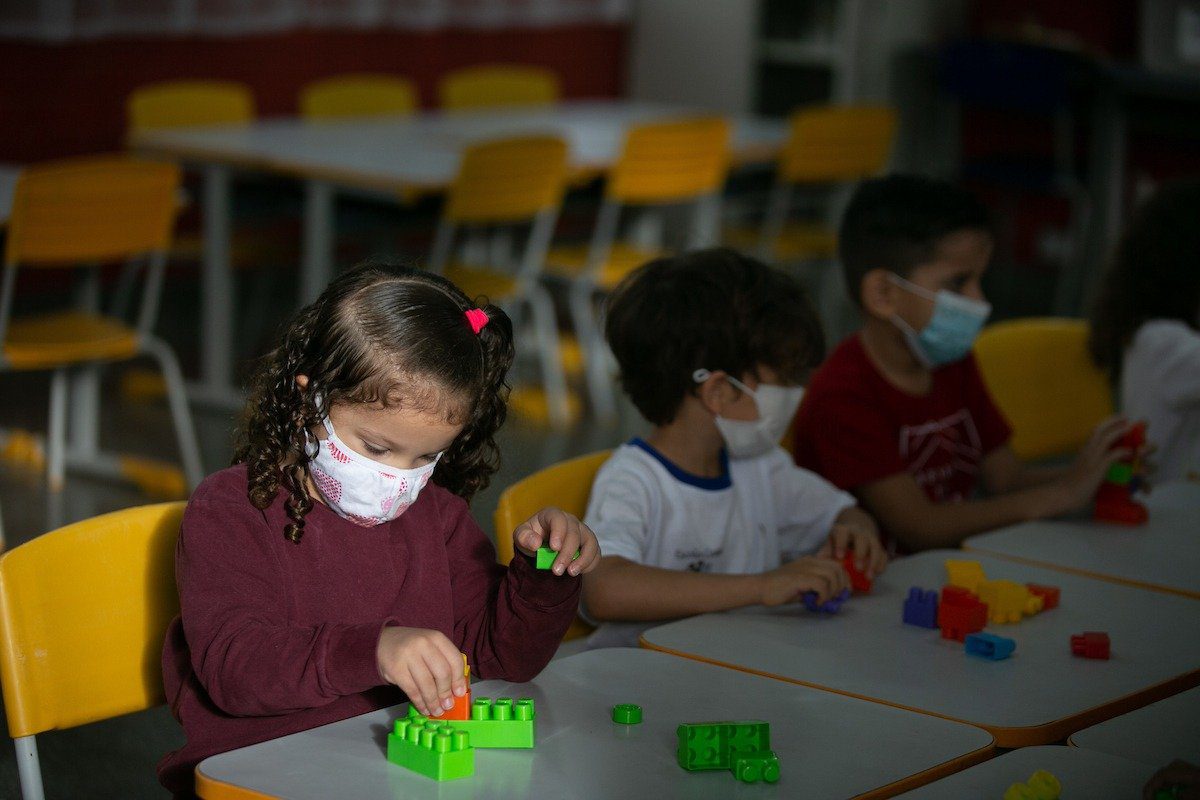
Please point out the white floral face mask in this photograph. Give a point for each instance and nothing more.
(360, 490)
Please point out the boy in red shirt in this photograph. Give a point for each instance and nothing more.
(898, 414)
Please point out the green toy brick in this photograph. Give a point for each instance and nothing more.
(627, 714)
(1120, 474)
(430, 748)
(710, 745)
(546, 556)
(502, 724)
(760, 765)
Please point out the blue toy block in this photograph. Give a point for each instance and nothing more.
(921, 607)
(986, 645)
(830, 606)
(713, 745)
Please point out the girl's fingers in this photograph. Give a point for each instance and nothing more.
(424, 690)
(589, 552)
(443, 677)
(454, 659)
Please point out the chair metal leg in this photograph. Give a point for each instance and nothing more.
(28, 768)
(181, 415)
(591, 343)
(56, 435)
(553, 379)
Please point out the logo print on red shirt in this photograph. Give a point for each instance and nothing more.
(943, 455)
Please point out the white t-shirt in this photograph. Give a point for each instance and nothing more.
(1160, 383)
(761, 513)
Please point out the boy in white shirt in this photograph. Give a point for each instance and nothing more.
(708, 512)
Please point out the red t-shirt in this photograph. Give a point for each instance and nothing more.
(854, 427)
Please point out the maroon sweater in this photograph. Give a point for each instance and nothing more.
(276, 637)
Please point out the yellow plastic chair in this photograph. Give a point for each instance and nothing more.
(357, 95)
(83, 613)
(498, 86)
(1041, 376)
(678, 163)
(566, 485)
(826, 146)
(177, 104)
(502, 185)
(88, 211)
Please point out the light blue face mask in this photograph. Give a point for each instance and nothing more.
(952, 329)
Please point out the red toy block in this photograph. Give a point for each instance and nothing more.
(1049, 594)
(1093, 644)
(1114, 504)
(859, 582)
(1114, 497)
(960, 612)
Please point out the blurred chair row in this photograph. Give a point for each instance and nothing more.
(181, 103)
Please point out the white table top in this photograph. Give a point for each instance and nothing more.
(1163, 554)
(1039, 695)
(422, 151)
(821, 739)
(1082, 773)
(1156, 734)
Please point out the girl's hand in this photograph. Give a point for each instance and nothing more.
(558, 530)
(856, 530)
(808, 574)
(1091, 465)
(424, 664)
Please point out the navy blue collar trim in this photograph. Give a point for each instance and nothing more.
(722, 481)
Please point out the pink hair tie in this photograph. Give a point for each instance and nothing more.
(477, 318)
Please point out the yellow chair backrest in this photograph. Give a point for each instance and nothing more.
(91, 209)
(177, 104)
(670, 162)
(566, 485)
(83, 613)
(1041, 376)
(497, 86)
(837, 143)
(357, 95)
(508, 180)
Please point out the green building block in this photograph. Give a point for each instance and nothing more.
(431, 748)
(503, 724)
(760, 765)
(1120, 474)
(546, 556)
(710, 745)
(627, 713)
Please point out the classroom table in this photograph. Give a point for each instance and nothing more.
(1082, 773)
(1039, 695)
(1163, 554)
(1156, 734)
(829, 746)
(388, 157)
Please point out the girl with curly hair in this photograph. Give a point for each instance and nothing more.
(335, 565)
(1146, 326)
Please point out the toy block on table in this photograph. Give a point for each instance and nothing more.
(967, 574)
(1049, 594)
(960, 613)
(713, 745)
(1114, 497)
(627, 713)
(1008, 601)
(989, 646)
(546, 556)
(1092, 644)
(830, 606)
(430, 748)
(921, 607)
(760, 765)
(502, 724)
(462, 705)
(1042, 785)
(859, 581)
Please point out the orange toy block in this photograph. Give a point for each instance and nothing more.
(462, 705)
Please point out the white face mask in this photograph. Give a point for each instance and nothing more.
(776, 407)
(360, 490)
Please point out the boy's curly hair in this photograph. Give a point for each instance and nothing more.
(379, 333)
(714, 309)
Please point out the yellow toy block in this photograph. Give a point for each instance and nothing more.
(967, 574)
(1008, 601)
(1042, 785)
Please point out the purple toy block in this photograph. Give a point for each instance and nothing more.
(921, 607)
(830, 606)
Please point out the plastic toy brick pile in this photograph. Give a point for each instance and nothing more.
(969, 601)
